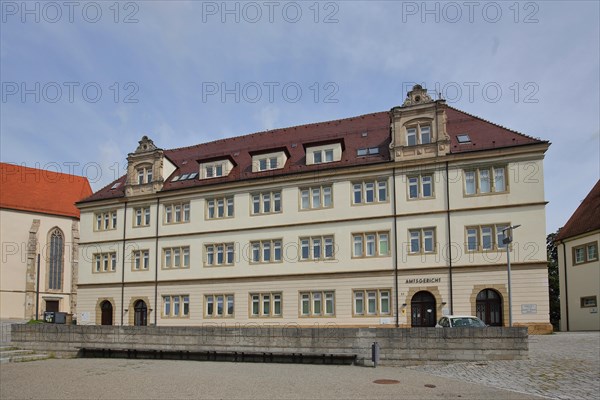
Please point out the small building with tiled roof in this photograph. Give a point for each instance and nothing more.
(40, 234)
(579, 266)
(386, 219)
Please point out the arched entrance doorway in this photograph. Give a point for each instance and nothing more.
(141, 313)
(489, 307)
(107, 313)
(423, 309)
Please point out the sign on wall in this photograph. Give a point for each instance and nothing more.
(528, 308)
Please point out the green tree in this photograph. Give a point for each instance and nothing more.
(553, 282)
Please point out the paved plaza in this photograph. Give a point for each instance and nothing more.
(562, 366)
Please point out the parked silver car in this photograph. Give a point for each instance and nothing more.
(460, 321)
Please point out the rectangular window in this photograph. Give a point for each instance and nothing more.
(106, 221)
(265, 304)
(370, 244)
(411, 137)
(140, 260)
(323, 156)
(371, 302)
(221, 207)
(585, 253)
(485, 180)
(219, 305)
(266, 203)
(485, 238)
(142, 216)
(172, 257)
(177, 306)
(317, 248)
(177, 213)
(420, 187)
(265, 251)
(317, 303)
(425, 134)
(316, 197)
(589, 301)
(422, 240)
(219, 254)
(105, 262)
(365, 192)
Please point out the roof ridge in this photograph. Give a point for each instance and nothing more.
(276, 129)
(497, 125)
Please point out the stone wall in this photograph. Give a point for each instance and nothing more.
(398, 346)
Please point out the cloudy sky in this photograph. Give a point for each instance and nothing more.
(83, 81)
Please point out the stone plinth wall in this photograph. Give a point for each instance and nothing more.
(398, 346)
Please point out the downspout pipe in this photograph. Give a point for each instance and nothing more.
(566, 284)
(449, 233)
(156, 263)
(396, 305)
(123, 256)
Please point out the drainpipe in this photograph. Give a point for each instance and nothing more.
(395, 248)
(156, 263)
(449, 239)
(123, 262)
(566, 285)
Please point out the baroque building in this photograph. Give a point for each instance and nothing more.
(387, 219)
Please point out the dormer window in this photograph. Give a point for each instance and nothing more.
(144, 175)
(214, 169)
(324, 154)
(419, 134)
(268, 161)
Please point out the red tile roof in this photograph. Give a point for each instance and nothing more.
(586, 218)
(38, 190)
(484, 135)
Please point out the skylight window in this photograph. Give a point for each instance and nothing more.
(367, 151)
(463, 138)
(175, 178)
(193, 175)
(184, 177)
(116, 185)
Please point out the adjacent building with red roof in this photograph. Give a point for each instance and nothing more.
(386, 219)
(38, 216)
(579, 266)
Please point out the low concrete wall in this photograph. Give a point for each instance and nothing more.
(398, 346)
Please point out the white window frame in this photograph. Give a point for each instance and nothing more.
(419, 182)
(423, 236)
(361, 240)
(368, 296)
(263, 298)
(105, 221)
(169, 306)
(224, 299)
(177, 257)
(220, 207)
(417, 133)
(307, 200)
(324, 298)
(176, 213)
(262, 246)
(104, 262)
(476, 233)
(261, 199)
(370, 189)
(322, 243)
(484, 180)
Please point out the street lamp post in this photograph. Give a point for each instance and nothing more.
(507, 232)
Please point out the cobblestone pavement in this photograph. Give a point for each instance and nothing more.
(560, 366)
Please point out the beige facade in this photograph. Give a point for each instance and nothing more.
(25, 235)
(579, 283)
(396, 255)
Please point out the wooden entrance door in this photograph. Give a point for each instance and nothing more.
(107, 313)
(423, 309)
(489, 307)
(141, 313)
(52, 305)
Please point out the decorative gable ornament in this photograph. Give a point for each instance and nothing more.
(145, 145)
(417, 96)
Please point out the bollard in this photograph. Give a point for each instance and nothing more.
(375, 354)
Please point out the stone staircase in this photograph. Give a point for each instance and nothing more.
(9, 354)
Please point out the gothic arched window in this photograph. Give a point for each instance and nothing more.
(55, 265)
